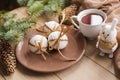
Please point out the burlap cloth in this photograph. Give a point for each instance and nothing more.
(112, 9)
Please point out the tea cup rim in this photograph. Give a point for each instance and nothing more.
(103, 14)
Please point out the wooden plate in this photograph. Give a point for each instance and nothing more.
(54, 62)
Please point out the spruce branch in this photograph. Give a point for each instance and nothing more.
(24, 24)
(30, 2)
(38, 7)
(8, 16)
(13, 36)
(22, 2)
(14, 31)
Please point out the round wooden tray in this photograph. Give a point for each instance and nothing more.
(54, 62)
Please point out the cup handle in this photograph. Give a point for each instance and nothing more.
(74, 21)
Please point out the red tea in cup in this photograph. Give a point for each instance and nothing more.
(92, 19)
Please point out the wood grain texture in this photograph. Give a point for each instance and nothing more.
(22, 73)
(86, 70)
(93, 54)
(2, 76)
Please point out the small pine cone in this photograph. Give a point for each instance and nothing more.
(7, 57)
(69, 11)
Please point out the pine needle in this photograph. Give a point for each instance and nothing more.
(38, 7)
(14, 31)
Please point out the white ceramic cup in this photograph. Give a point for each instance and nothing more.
(89, 31)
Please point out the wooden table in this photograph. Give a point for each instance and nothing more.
(90, 67)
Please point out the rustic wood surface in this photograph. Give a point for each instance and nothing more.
(90, 67)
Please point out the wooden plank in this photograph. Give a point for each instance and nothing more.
(93, 54)
(22, 73)
(86, 69)
(1, 77)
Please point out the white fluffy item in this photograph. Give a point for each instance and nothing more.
(38, 39)
(63, 41)
(51, 26)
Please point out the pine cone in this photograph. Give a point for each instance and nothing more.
(69, 11)
(7, 57)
